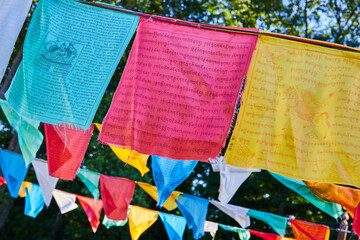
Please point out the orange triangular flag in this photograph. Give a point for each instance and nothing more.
(347, 197)
(309, 231)
(92, 209)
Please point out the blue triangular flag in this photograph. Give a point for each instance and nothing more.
(194, 209)
(168, 174)
(34, 201)
(14, 170)
(174, 225)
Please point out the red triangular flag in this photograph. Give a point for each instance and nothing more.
(356, 221)
(117, 194)
(92, 209)
(2, 180)
(266, 236)
(65, 148)
(309, 231)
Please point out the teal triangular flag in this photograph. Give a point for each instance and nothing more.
(14, 170)
(29, 136)
(243, 233)
(300, 188)
(34, 201)
(278, 223)
(174, 225)
(108, 223)
(91, 180)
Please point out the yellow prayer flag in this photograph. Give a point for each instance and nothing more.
(170, 203)
(300, 113)
(136, 160)
(24, 185)
(140, 219)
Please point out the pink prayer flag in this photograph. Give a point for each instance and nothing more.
(117, 194)
(265, 236)
(178, 92)
(92, 209)
(356, 221)
(65, 148)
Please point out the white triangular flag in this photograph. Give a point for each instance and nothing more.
(216, 163)
(65, 201)
(211, 227)
(236, 212)
(46, 182)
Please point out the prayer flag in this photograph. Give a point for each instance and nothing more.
(169, 204)
(117, 194)
(244, 234)
(108, 223)
(300, 188)
(276, 222)
(65, 148)
(299, 113)
(92, 209)
(238, 213)
(130, 157)
(2, 180)
(211, 227)
(46, 182)
(266, 236)
(65, 201)
(71, 51)
(34, 201)
(309, 231)
(12, 16)
(178, 92)
(168, 174)
(91, 180)
(140, 219)
(194, 210)
(347, 197)
(174, 225)
(14, 170)
(356, 221)
(25, 187)
(29, 136)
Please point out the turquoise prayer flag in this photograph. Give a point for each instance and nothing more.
(91, 180)
(278, 223)
(108, 223)
(168, 174)
(298, 186)
(194, 210)
(71, 51)
(14, 170)
(243, 233)
(174, 225)
(34, 201)
(29, 135)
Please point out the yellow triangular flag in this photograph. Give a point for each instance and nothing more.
(140, 219)
(136, 160)
(170, 203)
(22, 192)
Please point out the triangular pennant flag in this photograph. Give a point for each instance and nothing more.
(244, 234)
(345, 196)
(266, 236)
(174, 225)
(300, 188)
(46, 182)
(356, 221)
(236, 212)
(169, 204)
(231, 179)
(211, 227)
(29, 136)
(140, 219)
(108, 223)
(25, 187)
(130, 157)
(91, 180)
(14, 170)
(2, 180)
(65, 148)
(34, 201)
(117, 194)
(168, 174)
(65, 201)
(92, 209)
(309, 231)
(278, 223)
(194, 210)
